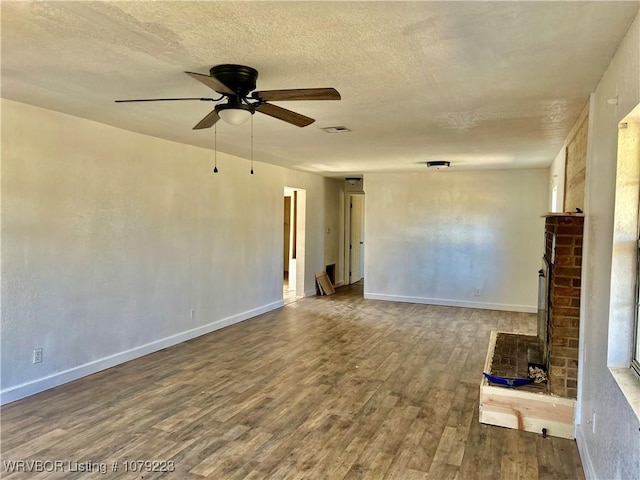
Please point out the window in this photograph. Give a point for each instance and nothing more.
(635, 361)
(623, 353)
(554, 199)
(624, 318)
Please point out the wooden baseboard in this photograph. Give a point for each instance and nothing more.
(450, 303)
(55, 379)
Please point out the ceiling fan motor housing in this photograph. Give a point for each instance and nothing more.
(239, 78)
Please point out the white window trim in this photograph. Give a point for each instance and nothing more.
(635, 358)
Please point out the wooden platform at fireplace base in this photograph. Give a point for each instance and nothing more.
(524, 410)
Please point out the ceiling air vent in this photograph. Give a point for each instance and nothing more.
(339, 129)
(438, 164)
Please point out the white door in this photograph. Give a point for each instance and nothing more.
(356, 244)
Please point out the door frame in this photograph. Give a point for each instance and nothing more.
(299, 210)
(347, 236)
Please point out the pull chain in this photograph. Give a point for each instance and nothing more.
(215, 148)
(251, 144)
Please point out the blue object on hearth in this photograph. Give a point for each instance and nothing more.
(508, 382)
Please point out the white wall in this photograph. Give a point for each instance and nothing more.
(613, 449)
(434, 237)
(334, 226)
(110, 239)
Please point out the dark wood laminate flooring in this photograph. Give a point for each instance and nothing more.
(331, 387)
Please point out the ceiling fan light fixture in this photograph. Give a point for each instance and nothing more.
(438, 164)
(235, 113)
(236, 83)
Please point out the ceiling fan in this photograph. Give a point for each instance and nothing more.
(236, 84)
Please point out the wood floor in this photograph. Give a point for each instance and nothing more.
(331, 387)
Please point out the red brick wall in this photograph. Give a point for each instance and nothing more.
(564, 303)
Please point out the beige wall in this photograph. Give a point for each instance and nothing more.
(435, 237)
(556, 180)
(610, 446)
(110, 238)
(334, 225)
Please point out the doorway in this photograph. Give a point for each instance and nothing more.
(293, 251)
(355, 250)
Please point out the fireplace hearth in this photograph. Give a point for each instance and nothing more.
(544, 407)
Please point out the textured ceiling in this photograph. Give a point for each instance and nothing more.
(482, 84)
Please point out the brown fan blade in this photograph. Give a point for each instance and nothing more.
(166, 100)
(208, 121)
(212, 83)
(284, 114)
(298, 94)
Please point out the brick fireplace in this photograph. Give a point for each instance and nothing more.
(547, 408)
(559, 343)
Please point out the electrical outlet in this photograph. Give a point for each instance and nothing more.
(476, 291)
(192, 314)
(37, 355)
